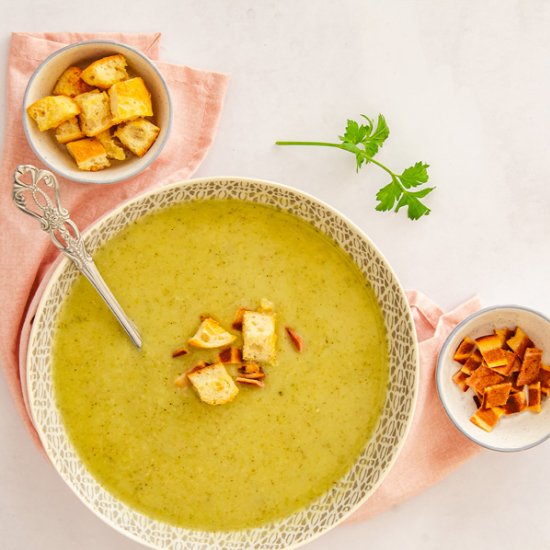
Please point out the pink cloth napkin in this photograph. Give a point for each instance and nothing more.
(434, 446)
(26, 252)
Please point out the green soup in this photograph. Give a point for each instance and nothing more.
(272, 450)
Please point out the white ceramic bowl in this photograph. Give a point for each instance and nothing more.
(41, 84)
(379, 452)
(514, 432)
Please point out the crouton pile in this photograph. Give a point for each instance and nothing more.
(212, 382)
(99, 113)
(505, 371)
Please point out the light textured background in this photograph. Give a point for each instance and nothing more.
(465, 87)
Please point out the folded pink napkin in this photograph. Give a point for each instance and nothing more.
(434, 446)
(26, 252)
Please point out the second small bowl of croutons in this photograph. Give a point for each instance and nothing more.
(493, 377)
(97, 112)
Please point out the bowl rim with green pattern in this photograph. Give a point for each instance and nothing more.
(380, 451)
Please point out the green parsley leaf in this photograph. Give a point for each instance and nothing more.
(415, 208)
(355, 133)
(415, 175)
(388, 195)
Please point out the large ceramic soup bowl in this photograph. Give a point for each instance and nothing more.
(284, 460)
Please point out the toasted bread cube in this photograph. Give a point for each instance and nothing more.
(464, 350)
(211, 334)
(516, 403)
(503, 335)
(89, 154)
(483, 377)
(51, 111)
(512, 365)
(519, 343)
(487, 419)
(496, 395)
(70, 83)
(459, 378)
(106, 71)
(488, 343)
(95, 116)
(495, 357)
(138, 135)
(530, 367)
(213, 384)
(544, 377)
(259, 336)
(477, 400)
(114, 151)
(69, 131)
(472, 363)
(534, 397)
(130, 99)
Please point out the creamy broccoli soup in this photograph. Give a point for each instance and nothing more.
(272, 450)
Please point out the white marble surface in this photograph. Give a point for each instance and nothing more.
(465, 87)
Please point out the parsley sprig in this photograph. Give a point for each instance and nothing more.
(364, 140)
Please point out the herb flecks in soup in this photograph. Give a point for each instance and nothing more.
(268, 453)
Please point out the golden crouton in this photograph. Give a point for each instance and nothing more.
(106, 71)
(464, 350)
(516, 403)
(459, 378)
(488, 343)
(487, 419)
(519, 343)
(535, 397)
(503, 335)
(95, 116)
(50, 111)
(114, 151)
(472, 363)
(512, 364)
(89, 154)
(70, 83)
(530, 367)
(259, 336)
(69, 131)
(130, 99)
(544, 377)
(496, 395)
(483, 377)
(138, 135)
(211, 334)
(213, 384)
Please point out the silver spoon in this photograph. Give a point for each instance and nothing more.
(64, 233)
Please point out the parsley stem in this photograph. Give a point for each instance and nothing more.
(317, 143)
(355, 150)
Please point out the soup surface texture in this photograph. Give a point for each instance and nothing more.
(272, 450)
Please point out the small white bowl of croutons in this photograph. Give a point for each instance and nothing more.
(97, 112)
(493, 378)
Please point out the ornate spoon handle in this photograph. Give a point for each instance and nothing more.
(55, 220)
